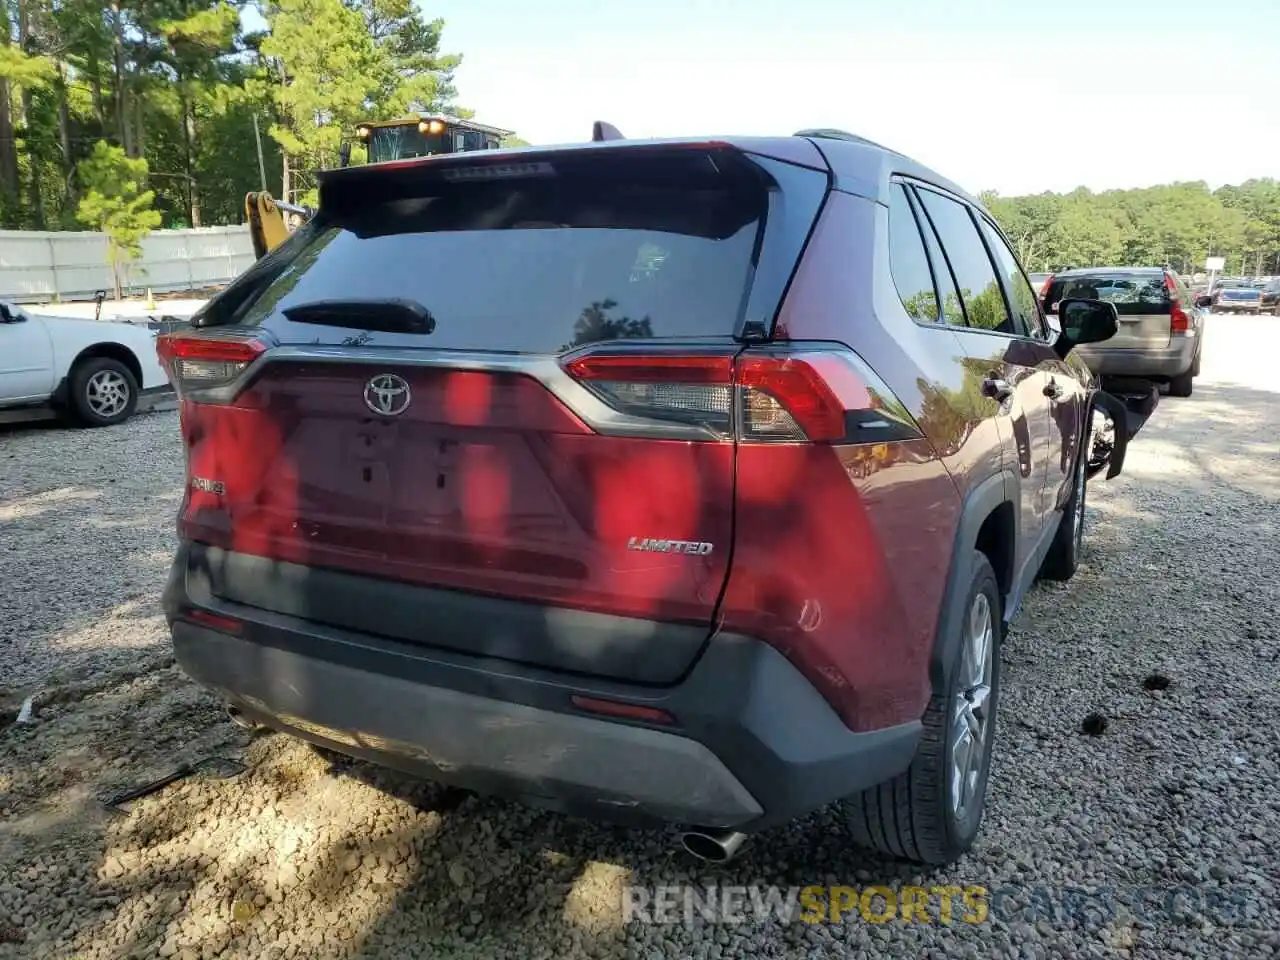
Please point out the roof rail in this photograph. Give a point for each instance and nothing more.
(600, 130)
(830, 133)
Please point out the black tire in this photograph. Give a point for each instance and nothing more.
(1182, 385)
(1063, 558)
(88, 378)
(912, 816)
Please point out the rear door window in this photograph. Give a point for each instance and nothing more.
(952, 310)
(984, 303)
(544, 260)
(1026, 311)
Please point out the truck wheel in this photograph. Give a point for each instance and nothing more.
(931, 813)
(102, 392)
(1181, 385)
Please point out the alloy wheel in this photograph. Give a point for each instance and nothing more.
(107, 393)
(971, 718)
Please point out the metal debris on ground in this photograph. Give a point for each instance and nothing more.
(220, 768)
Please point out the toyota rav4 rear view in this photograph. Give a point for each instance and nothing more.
(674, 481)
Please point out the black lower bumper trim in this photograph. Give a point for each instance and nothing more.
(754, 744)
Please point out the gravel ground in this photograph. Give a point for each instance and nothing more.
(310, 856)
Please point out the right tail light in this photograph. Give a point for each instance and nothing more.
(793, 395)
(1179, 322)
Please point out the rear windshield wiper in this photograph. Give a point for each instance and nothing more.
(385, 316)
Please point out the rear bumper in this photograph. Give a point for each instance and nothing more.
(1159, 363)
(753, 744)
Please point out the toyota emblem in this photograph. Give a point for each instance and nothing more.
(387, 394)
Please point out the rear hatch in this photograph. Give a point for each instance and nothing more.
(413, 455)
(1142, 300)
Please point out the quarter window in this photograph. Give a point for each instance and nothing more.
(907, 260)
(980, 291)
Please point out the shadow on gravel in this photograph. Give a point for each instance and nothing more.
(1222, 435)
(83, 529)
(336, 857)
(495, 873)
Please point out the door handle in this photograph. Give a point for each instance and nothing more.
(996, 389)
(1052, 390)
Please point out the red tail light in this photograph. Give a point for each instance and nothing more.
(1044, 287)
(790, 396)
(1179, 322)
(195, 362)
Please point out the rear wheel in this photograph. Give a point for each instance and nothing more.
(102, 392)
(931, 813)
(1181, 386)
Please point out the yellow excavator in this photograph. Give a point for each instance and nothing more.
(418, 135)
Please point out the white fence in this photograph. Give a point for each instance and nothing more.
(37, 265)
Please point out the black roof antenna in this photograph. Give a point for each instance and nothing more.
(600, 130)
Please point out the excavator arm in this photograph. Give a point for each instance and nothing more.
(266, 219)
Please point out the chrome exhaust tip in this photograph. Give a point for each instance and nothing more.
(713, 846)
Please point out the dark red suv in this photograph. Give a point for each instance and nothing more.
(682, 481)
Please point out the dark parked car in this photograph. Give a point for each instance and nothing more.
(1161, 326)
(1237, 297)
(685, 481)
(1269, 298)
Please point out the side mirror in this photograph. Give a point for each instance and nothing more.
(5, 315)
(1085, 321)
(1204, 300)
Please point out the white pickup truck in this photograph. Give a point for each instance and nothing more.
(96, 372)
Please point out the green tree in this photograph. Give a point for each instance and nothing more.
(21, 74)
(116, 202)
(1175, 225)
(318, 88)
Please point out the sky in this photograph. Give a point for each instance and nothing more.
(1018, 96)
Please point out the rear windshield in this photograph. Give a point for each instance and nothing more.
(540, 261)
(1132, 293)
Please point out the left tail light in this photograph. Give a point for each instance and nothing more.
(196, 363)
(790, 395)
